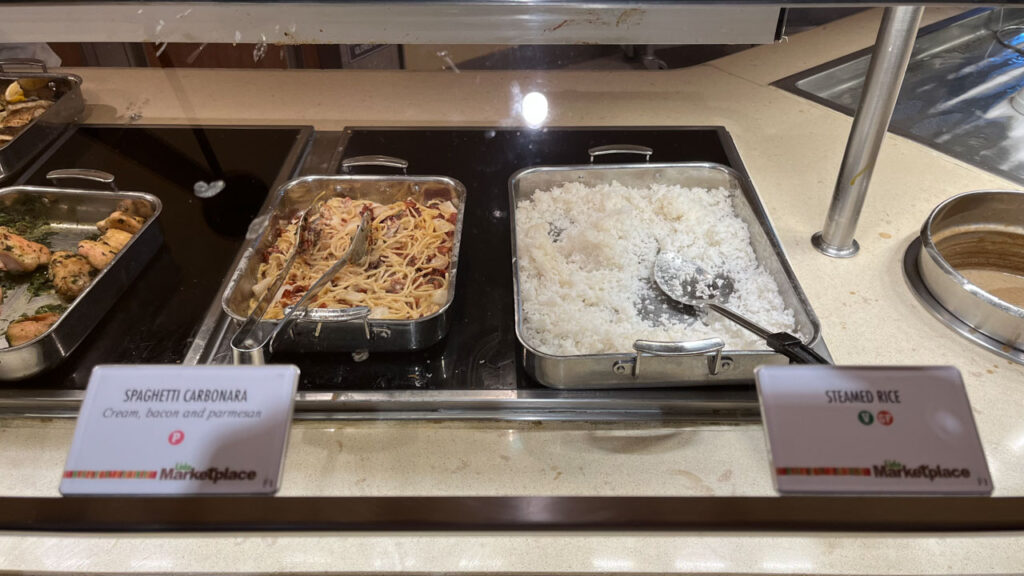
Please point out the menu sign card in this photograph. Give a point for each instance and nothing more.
(148, 430)
(871, 430)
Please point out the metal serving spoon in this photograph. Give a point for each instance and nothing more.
(688, 283)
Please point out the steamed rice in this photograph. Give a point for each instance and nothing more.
(586, 255)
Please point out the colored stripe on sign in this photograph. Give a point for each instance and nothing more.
(845, 471)
(102, 474)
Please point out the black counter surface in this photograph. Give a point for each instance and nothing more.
(156, 318)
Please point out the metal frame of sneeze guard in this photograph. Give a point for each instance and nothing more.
(889, 61)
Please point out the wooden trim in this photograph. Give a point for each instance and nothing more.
(827, 514)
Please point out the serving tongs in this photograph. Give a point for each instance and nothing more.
(254, 335)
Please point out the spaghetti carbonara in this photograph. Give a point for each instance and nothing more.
(404, 276)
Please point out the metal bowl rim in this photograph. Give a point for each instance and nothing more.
(933, 252)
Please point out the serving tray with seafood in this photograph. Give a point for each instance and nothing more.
(65, 257)
(36, 106)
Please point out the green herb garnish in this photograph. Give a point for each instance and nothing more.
(46, 309)
(26, 219)
(41, 235)
(7, 281)
(39, 282)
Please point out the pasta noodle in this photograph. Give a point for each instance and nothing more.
(404, 276)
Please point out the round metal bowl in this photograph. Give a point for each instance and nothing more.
(971, 260)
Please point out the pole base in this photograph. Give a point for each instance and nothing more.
(834, 251)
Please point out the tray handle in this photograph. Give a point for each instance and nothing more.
(249, 343)
(374, 160)
(712, 347)
(620, 149)
(83, 174)
(24, 62)
(334, 314)
(356, 313)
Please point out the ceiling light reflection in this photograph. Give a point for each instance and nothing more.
(535, 109)
(1018, 445)
(790, 566)
(699, 565)
(613, 564)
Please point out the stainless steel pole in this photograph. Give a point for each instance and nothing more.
(885, 75)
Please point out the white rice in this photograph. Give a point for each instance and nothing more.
(586, 255)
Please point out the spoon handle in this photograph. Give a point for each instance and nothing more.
(740, 319)
(791, 347)
(782, 342)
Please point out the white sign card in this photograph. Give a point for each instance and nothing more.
(167, 430)
(897, 430)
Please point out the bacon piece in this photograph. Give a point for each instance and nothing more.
(271, 251)
(413, 208)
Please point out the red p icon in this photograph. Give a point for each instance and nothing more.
(176, 437)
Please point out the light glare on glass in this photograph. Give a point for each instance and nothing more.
(535, 109)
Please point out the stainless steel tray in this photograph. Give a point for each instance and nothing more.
(73, 214)
(46, 128)
(663, 364)
(329, 335)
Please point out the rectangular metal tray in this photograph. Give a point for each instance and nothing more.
(39, 133)
(375, 335)
(698, 366)
(73, 215)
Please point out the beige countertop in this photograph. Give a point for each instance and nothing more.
(792, 149)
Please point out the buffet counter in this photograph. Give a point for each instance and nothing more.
(791, 148)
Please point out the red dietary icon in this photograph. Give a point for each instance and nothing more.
(176, 437)
(885, 418)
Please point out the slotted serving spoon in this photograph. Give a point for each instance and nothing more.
(248, 343)
(688, 283)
